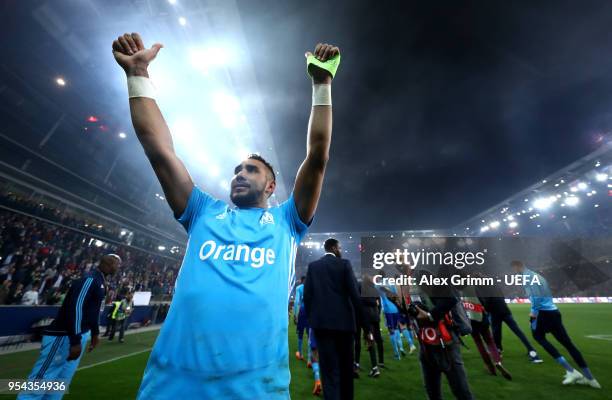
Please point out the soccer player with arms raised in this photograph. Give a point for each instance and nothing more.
(225, 335)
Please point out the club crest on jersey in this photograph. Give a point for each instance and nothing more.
(266, 218)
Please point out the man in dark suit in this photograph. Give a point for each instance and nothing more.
(331, 299)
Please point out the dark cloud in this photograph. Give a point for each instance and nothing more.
(441, 108)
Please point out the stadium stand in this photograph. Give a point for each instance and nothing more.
(36, 252)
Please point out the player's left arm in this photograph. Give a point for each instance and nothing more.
(309, 180)
(93, 314)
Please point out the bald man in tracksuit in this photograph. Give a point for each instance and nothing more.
(64, 340)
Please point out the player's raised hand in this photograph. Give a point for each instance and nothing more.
(131, 54)
(322, 52)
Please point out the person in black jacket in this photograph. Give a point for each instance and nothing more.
(330, 298)
(370, 325)
(494, 302)
(65, 339)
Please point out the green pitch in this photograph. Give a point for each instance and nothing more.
(113, 371)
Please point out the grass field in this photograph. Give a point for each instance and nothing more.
(113, 371)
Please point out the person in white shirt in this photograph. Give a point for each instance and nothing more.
(30, 298)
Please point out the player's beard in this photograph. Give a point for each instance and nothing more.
(245, 200)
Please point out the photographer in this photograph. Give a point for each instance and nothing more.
(439, 350)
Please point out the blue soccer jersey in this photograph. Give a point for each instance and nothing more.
(298, 303)
(225, 336)
(540, 295)
(387, 305)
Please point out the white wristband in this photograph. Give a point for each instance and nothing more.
(321, 95)
(140, 86)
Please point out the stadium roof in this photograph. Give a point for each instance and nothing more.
(457, 107)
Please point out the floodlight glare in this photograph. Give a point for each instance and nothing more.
(227, 107)
(572, 201)
(203, 58)
(213, 170)
(542, 203)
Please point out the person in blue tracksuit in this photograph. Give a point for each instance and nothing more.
(392, 317)
(546, 318)
(64, 340)
(299, 318)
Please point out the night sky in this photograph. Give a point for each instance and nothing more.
(441, 109)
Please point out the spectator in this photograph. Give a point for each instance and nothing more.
(6, 271)
(16, 294)
(43, 209)
(5, 290)
(30, 298)
(55, 297)
(33, 250)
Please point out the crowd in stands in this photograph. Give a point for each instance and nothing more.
(39, 260)
(44, 209)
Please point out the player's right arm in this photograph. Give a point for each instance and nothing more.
(150, 126)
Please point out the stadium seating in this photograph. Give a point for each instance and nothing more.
(33, 251)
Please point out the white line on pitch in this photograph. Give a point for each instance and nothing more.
(114, 359)
(600, 337)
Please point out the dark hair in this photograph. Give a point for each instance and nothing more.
(255, 156)
(330, 243)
